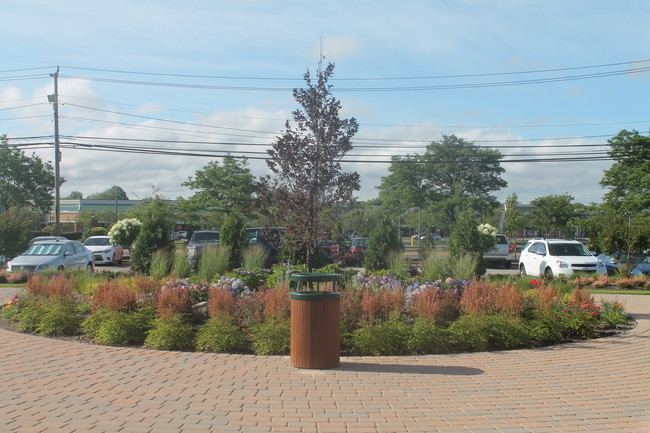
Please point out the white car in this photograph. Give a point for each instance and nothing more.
(104, 251)
(553, 257)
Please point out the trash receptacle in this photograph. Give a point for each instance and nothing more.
(315, 323)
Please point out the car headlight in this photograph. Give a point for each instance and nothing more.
(562, 264)
(42, 267)
(106, 251)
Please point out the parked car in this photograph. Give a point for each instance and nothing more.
(612, 263)
(553, 257)
(358, 251)
(502, 253)
(199, 241)
(104, 251)
(53, 255)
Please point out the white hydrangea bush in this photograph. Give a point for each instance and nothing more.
(487, 229)
(124, 232)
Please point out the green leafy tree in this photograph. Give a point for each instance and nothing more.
(225, 187)
(112, 193)
(452, 174)
(469, 237)
(553, 212)
(157, 219)
(96, 218)
(305, 162)
(25, 181)
(628, 180)
(233, 236)
(74, 195)
(16, 229)
(382, 241)
(513, 220)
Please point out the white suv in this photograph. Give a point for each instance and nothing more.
(551, 257)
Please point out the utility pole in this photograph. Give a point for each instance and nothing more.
(54, 99)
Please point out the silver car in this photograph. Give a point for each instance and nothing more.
(53, 255)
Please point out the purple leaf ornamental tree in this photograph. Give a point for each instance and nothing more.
(306, 164)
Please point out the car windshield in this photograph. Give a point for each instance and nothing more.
(97, 242)
(359, 243)
(568, 250)
(43, 250)
(205, 236)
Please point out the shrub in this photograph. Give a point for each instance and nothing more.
(3, 276)
(254, 257)
(18, 277)
(397, 264)
(504, 331)
(254, 280)
(465, 335)
(221, 335)
(174, 298)
(434, 267)
(233, 236)
(386, 338)
(161, 263)
(213, 262)
(272, 337)
(115, 295)
(383, 240)
(170, 333)
(59, 316)
(118, 328)
(277, 303)
(436, 303)
(464, 266)
(93, 231)
(612, 314)
(29, 313)
(426, 337)
(181, 267)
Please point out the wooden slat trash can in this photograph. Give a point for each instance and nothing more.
(315, 327)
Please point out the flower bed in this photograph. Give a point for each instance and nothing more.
(249, 312)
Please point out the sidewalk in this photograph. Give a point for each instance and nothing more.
(592, 386)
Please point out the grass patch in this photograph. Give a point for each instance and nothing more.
(618, 292)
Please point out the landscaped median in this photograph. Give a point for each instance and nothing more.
(249, 312)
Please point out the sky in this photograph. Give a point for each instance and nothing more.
(190, 81)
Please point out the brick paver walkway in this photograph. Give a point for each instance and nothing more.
(592, 386)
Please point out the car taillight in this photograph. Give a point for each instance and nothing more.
(355, 249)
(512, 249)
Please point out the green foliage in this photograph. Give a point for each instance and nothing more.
(221, 335)
(465, 335)
(113, 193)
(181, 267)
(382, 241)
(157, 218)
(117, 328)
(385, 338)
(233, 236)
(252, 279)
(272, 337)
(612, 314)
(444, 188)
(426, 337)
(504, 332)
(25, 181)
(161, 263)
(553, 212)
(59, 316)
(95, 218)
(628, 179)
(254, 257)
(467, 238)
(465, 267)
(397, 264)
(224, 188)
(434, 267)
(170, 333)
(513, 220)
(28, 313)
(213, 262)
(15, 230)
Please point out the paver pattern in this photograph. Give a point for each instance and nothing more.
(54, 386)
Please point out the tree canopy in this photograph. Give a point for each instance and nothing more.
(223, 187)
(305, 162)
(628, 179)
(553, 212)
(25, 181)
(112, 193)
(451, 175)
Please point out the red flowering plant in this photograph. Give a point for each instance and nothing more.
(580, 315)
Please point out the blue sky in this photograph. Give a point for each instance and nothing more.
(215, 75)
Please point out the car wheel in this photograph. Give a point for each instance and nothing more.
(548, 273)
(60, 268)
(522, 270)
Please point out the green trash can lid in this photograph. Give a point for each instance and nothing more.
(311, 295)
(315, 277)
